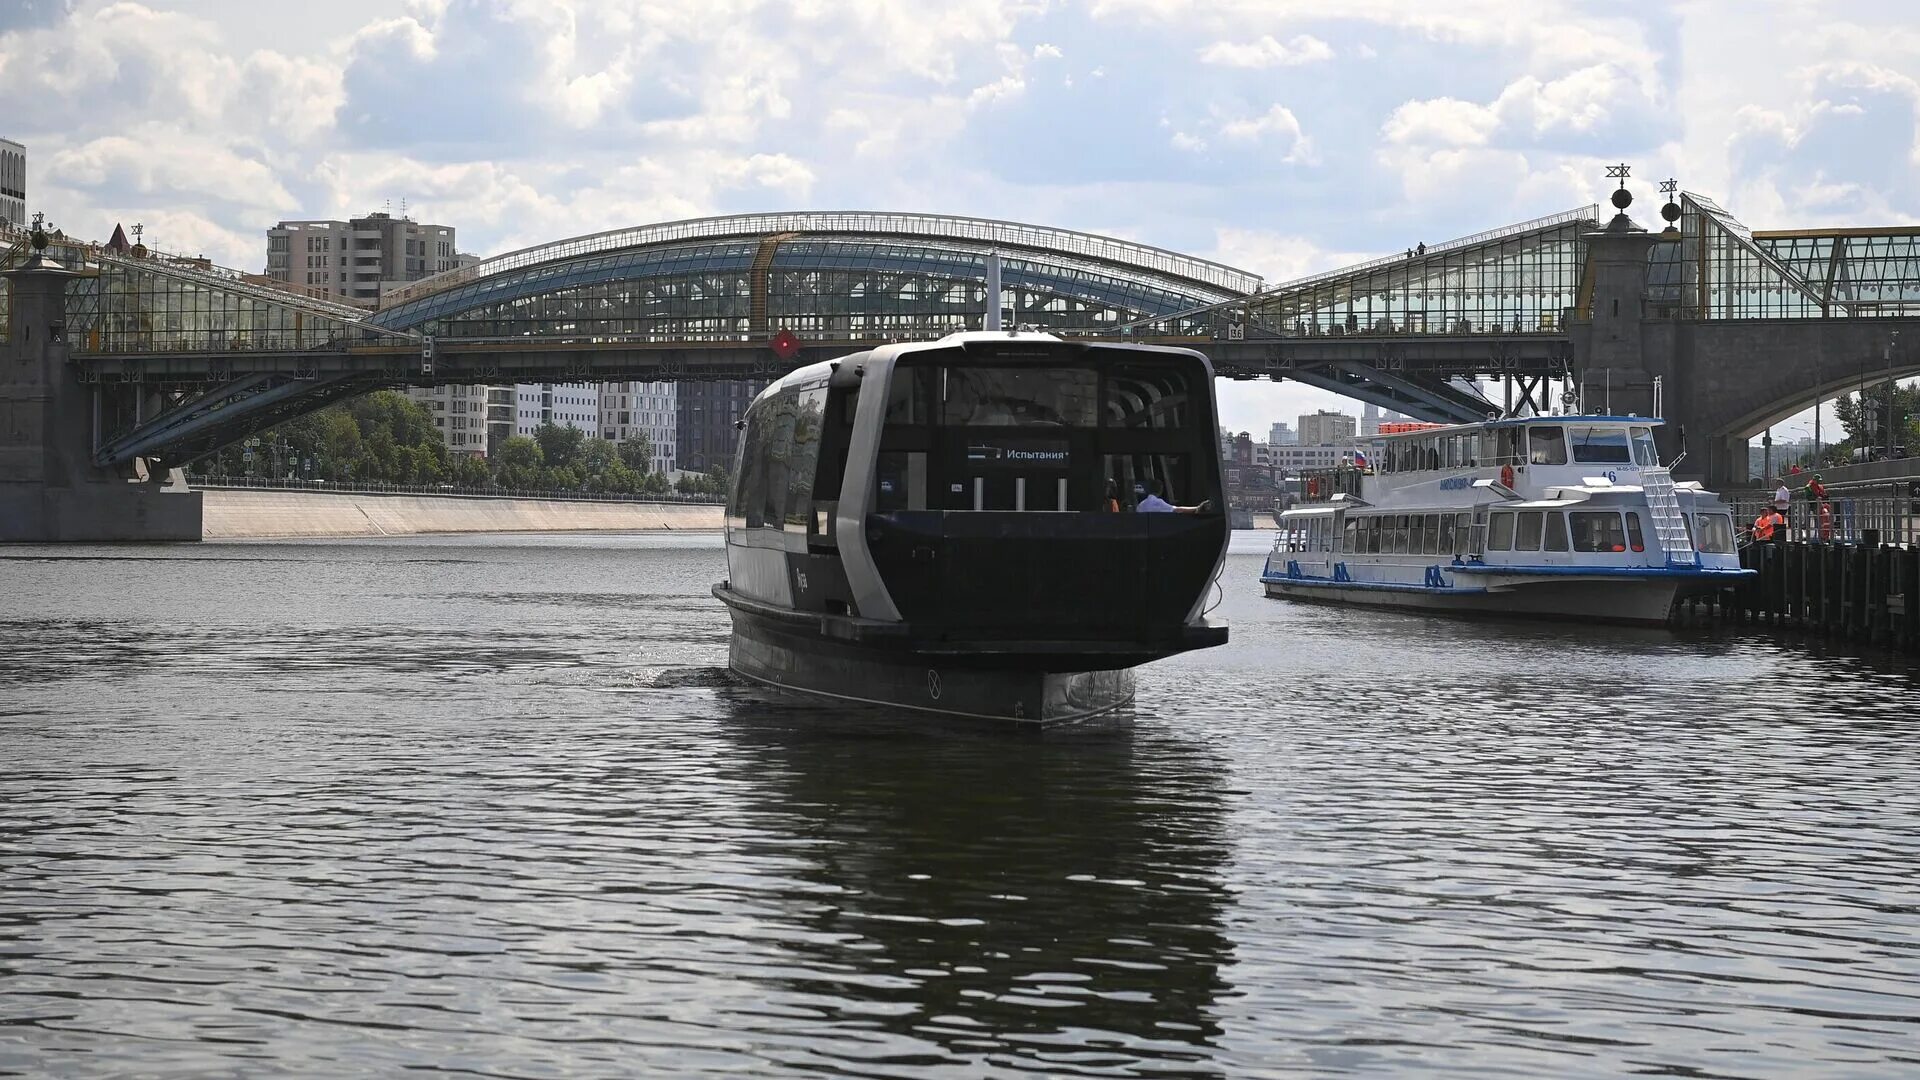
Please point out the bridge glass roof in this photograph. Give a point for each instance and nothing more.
(826, 286)
(1719, 269)
(1518, 279)
(934, 229)
(165, 303)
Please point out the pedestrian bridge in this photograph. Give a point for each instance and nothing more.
(181, 357)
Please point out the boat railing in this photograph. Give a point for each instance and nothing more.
(1321, 485)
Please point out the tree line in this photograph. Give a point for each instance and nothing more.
(387, 437)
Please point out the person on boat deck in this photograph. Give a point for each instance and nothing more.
(1816, 490)
(1154, 504)
(1782, 498)
(1769, 526)
(1113, 496)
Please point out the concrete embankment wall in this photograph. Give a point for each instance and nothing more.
(254, 515)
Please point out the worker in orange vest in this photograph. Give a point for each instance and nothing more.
(1826, 522)
(1765, 526)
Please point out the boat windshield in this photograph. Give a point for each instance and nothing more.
(1595, 445)
(1546, 446)
(1643, 448)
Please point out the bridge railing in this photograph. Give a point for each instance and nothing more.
(328, 487)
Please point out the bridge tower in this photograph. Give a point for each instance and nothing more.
(1619, 348)
(50, 489)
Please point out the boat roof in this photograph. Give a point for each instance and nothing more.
(1524, 421)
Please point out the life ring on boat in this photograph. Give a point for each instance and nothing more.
(1313, 487)
(1506, 475)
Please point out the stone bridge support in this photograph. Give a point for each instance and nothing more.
(50, 490)
(1722, 381)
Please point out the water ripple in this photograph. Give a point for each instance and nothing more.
(494, 808)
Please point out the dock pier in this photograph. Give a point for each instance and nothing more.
(1863, 591)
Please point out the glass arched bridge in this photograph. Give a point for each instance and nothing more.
(184, 356)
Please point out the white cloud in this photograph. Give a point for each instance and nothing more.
(1266, 51)
(1192, 144)
(1442, 121)
(1277, 121)
(1278, 256)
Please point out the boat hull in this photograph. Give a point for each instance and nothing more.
(798, 659)
(1612, 600)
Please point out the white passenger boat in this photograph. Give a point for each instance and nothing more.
(945, 526)
(1567, 517)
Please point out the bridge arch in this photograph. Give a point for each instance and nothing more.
(844, 275)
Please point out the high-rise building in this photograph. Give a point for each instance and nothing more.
(1282, 435)
(631, 408)
(1325, 428)
(13, 184)
(708, 411)
(473, 420)
(562, 404)
(1370, 419)
(360, 258)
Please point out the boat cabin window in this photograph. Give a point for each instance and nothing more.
(1644, 452)
(1556, 532)
(1546, 445)
(967, 435)
(1018, 396)
(1712, 534)
(1500, 446)
(1600, 445)
(777, 459)
(1373, 536)
(1527, 531)
(1500, 531)
(1636, 540)
(1597, 531)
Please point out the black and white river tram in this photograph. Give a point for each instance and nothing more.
(949, 526)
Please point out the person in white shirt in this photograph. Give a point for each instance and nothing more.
(1154, 504)
(1782, 498)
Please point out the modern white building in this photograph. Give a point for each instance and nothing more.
(471, 419)
(628, 408)
(1282, 435)
(13, 184)
(1325, 428)
(574, 405)
(357, 259)
(1295, 458)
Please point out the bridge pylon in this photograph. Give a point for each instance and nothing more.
(50, 490)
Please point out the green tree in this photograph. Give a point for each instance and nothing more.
(339, 442)
(636, 450)
(1864, 417)
(471, 472)
(561, 445)
(518, 463)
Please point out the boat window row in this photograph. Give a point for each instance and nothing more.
(1407, 534)
(1536, 444)
(1589, 531)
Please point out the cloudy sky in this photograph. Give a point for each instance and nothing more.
(1282, 136)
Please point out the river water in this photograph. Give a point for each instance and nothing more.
(491, 807)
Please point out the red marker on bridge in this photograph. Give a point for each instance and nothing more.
(785, 345)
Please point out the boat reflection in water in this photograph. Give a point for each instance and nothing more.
(948, 526)
(1055, 905)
